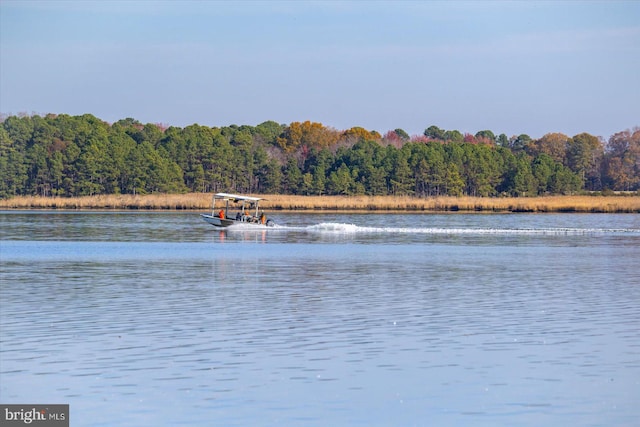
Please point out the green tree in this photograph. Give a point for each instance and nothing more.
(401, 178)
(292, 177)
(13, 169)
(564, 181)
(437, 168)
(121, 145)
(453, 182)
(486, 134)
(366, 162)
(520, 142)
(453, 136)
(502, 140)
(341, 181)
(482, 169)
(402, 134)
(434, 132)
(543, 168)
(584, 156)
(524, 181)
(318, 163)
(271, 177)
(269, 131)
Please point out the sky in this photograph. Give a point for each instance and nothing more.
(511, 67)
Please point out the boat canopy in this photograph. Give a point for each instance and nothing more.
(235, 197)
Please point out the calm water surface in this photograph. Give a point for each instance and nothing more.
(371, 320)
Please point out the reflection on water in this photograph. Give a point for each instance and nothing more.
(160, 319)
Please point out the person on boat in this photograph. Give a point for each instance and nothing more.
(221, 214)
(263, 218)
(238, 216)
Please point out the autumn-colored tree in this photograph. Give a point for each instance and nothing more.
(622, 161)
(394, 138)
(421, 139)
(311, 134)
(470, 139)
(359, 134)
(552, 144)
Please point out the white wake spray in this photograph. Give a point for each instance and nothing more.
(344, 228)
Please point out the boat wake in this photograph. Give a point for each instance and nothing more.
(344, 228)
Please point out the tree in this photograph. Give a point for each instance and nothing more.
(478, 171)
(453, 182)
(486, 135)
(318, 164)
(502, 140)
(524, 181)
(402, 134)
(520, 142)
(421, 177)
(271, 177)
(434, 132)
(564, 181)
(429, 167)
(269, 131)
(306, 186)
(622, 161)
(401, 181)
(397, 138)
(341, 181)
(292, 177)
(358, 133)
(38, 173)
(75, 155)
(543, 169)
(584, 154)
(121, 146)
(312, 134)
(93, 164)
(13, 169)
(552, 144)
(453, 136)
(152, 173)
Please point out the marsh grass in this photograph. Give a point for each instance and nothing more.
(112, 201)
(202, 201)
(476, 204)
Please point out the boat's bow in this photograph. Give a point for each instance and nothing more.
(217, 221)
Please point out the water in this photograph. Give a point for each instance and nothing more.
(372, 320)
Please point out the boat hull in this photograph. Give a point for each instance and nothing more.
(223, 223)
(217, 221)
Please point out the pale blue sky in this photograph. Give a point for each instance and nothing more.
(511, 67)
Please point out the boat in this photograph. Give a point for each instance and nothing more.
(229, 209)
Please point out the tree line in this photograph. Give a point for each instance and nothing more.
(63, 155)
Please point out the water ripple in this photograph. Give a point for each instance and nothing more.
(535, 323)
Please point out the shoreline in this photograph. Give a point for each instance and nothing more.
(202, 202)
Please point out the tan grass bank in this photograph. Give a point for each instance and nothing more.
(202, 201)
